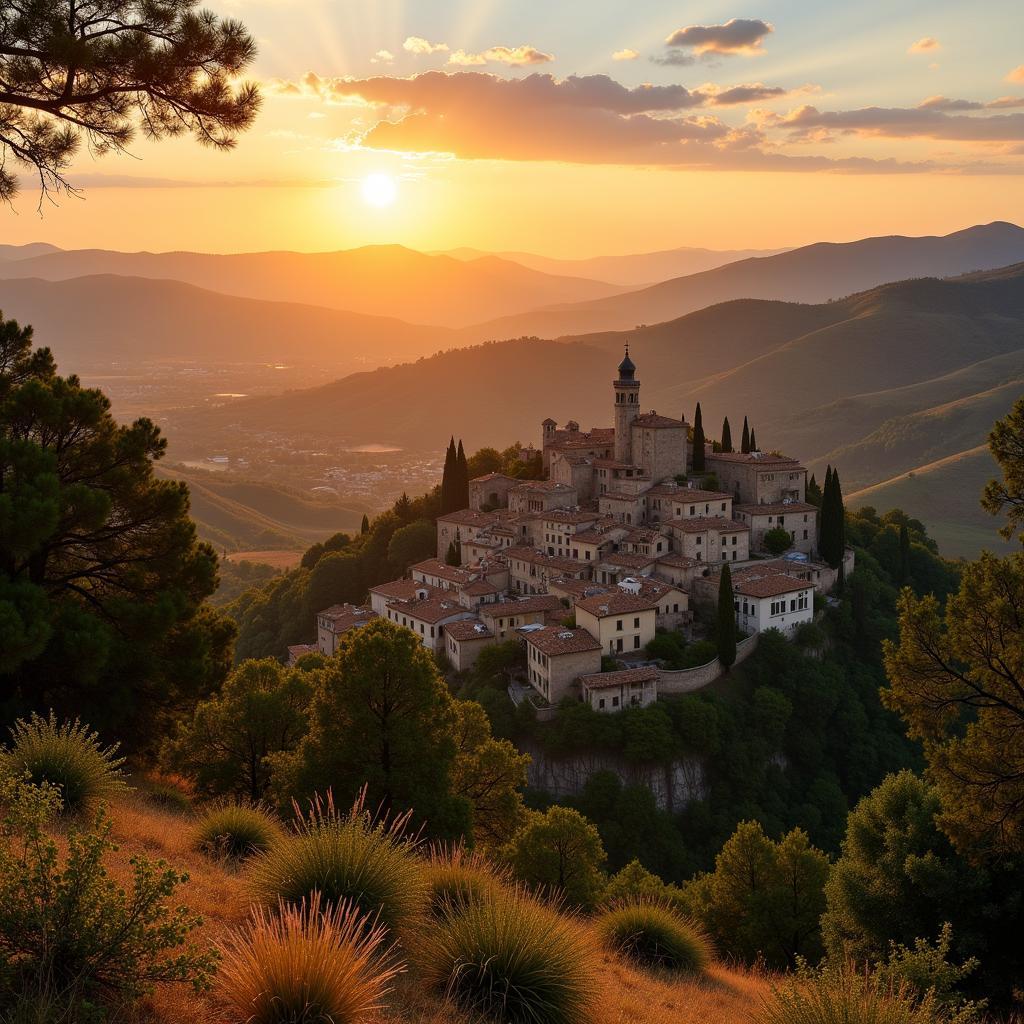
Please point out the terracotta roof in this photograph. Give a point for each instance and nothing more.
(620, 558)
(526, 606)
(535, 557)
(770, 586)
(468, 517)
(655, 589)
(433, 609)
(467, 629)
(578, 588)
(435, 567)
(620, 496)
(479, 588)
(342, 617)
(679, 561)
(615, 602)
(626, 676)
(757, 458)
(490, 476)
(652, 419)
(297, 650)
(404, 590)
(614, 464)
(542, 485)
(555, 640)
(701, 524)
(642, 535)
(692, 494)
(776, 508)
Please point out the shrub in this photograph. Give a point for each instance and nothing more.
(236, 830)
(349, 856)
(166, 795)
(67, 755)
(847, 996)
(653, 935)
(514, 960)
(304, 964)
(68, 931)
(457, 879)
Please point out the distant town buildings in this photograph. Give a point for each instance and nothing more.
(620, 540)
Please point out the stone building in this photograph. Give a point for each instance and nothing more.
(556, 657)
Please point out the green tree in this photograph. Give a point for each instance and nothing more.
(778, 540)
(764, 898)
(699, 463)
(745, 437)
(832, 542)
(726, 436)
(102, 578)
(101, 71)
(461, 495)
(227, 746)
(365, 525)
(956, 678)
(725, 636)
(411, 544)
(814, 492)
(561, 849)
(452, 555)
(753, 441)
(449, 486)
(491, 775)
(1006, 443)
(382, 717)
(904, 570)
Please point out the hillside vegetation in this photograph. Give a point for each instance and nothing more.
(240, 515)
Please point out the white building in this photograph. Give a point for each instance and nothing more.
(772, 601)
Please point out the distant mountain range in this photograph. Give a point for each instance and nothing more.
(882, 383)
(812, 273)
(377, 280)
(634, 269)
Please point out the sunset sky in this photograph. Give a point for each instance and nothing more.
(583, 127)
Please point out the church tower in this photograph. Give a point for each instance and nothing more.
(627, 408)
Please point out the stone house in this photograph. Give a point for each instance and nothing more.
(334, 622)
(464, 639)
(426, 617)
(772, 602)
(623, 623)
(556, 657)
(609, 692)
(797, 518)
(711, 539)
(505, 617)
(490, 491)
(757, 478)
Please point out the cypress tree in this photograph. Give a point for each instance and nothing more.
(726, 619)
(462, 476)
(452, 555)
(365, 526)
(904, 554)
(753, 441)
(448, 479)
(726, 436)
(825, 521)
(698, 441)
(840, 524)
(814, 492)
(745, 438)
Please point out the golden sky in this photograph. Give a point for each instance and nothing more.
(581, 127)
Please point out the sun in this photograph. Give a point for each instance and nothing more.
(379, 189)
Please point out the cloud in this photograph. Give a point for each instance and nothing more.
(952, 106)
(674, 59)
(420, 46)
(579, 119)
(757, 92)
(1016, 75)
(904, 123)
(512, 56)
(382, 57)
(626, 54)
(926, 44)
(738, 35)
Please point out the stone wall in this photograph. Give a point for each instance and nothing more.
(674, 785)
(687, 680)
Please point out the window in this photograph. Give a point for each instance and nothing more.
(636, 622)
(615, 702)
(618, 625)
(699, 538)
(618, 644)
(723, 506)
(734, 540)
(725, 555)
(692, 509)
(600, 703)
(636, 642)
(805, 535)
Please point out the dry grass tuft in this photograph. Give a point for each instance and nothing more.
(458, 879)
(304, 964)
(236, 831)
(654, 935)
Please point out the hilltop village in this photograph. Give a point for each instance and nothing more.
(622, 539)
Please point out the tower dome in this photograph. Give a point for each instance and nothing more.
(626, 367)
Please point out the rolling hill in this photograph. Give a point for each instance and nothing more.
(380, 280)
(880, 383)
(812, 273)
(96, 320)
(634, 269)
(239, 515)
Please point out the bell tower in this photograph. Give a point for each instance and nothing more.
(627, 408)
